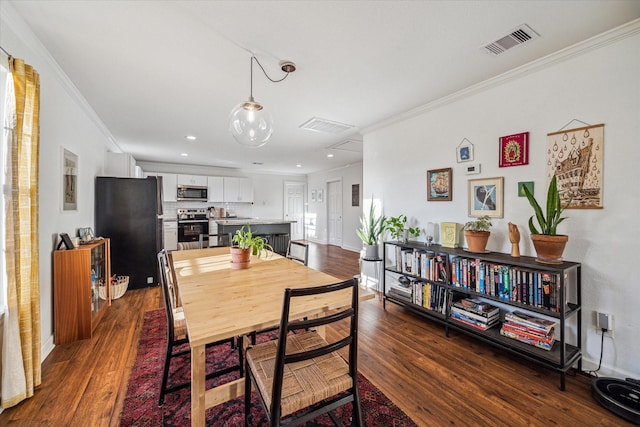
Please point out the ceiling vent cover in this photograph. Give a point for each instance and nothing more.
(352, 145)
(516, 37)
(317, 124)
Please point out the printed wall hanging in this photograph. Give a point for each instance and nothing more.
(575, 157)
(439, 184)
(514, 150)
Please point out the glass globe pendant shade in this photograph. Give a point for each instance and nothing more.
(250, 124)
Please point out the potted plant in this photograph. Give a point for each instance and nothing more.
(477, 233)
(372, 227)
(549, 245)
(396, 226)
(247, 244)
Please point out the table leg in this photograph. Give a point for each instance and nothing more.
(198, 386)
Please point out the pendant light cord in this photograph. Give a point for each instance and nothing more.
(265, 73)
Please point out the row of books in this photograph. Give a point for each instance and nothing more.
(529, 329)
(509, 283)
(475, 313)
(421, 263)
(432, 297)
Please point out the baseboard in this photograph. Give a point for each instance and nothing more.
(47, 348)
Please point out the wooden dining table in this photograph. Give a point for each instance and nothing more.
(220, 302)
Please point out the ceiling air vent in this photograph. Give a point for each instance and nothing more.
(326, 126)
(352, 145)
(516, 37)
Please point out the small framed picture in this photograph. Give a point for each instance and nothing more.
(464, 151)
(313, 195)
(320, 196)
(439, 185)
(486, 197)
(514, 150)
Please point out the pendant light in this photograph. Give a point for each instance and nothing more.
(249, 123)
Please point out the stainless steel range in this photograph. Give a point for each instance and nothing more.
(193, 226)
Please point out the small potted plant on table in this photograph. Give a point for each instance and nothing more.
(396, 226)
(548, 244)
(477, 233)
(247, 244)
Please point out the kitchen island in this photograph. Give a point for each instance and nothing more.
(276, 231)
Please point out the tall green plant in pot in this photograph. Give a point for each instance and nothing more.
(548, 244)
(372, 226)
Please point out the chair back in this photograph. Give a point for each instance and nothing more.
(220, 239)
(298, 251)
(350, 338)
(168, 290)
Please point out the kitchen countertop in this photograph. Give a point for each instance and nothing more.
(250, 221)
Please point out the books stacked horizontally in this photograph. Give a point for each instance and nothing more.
(475, 313)
(529, 329)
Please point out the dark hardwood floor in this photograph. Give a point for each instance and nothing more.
(436, 380)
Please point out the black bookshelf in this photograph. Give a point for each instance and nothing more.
(566, 299)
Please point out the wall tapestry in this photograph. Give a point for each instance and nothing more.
(575, 157)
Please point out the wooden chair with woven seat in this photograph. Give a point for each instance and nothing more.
(299, 252)
(301, 376)
(177, 331)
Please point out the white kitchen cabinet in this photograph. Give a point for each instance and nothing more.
(169, 186)
(121, 165)
(195, 180)
(215, 189)
(170, 235)
(238, 189)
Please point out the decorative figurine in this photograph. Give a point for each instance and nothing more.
(514, 238)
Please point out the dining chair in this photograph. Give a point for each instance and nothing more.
(298, 251)
(177, 331)
(220, 239)
(299, 377)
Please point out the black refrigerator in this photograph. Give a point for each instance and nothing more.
(129, 212)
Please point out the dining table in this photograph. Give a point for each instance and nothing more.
(220, 302)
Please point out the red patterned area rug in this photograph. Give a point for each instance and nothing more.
(143, 390)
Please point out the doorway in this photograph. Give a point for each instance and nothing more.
(334, 212)
(294, 208)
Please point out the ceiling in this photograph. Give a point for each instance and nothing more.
(157, 71)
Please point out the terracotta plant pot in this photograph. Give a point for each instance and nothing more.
(240, 258)
(477, 240)
(549, 248)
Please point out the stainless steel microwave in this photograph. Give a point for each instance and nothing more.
(193, 193)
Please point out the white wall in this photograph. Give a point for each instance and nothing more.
(64, 123)
(317, 211)
(599, 85)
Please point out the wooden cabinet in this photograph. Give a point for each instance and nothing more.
(81, 290)
(215, 189)
(428, 279)
(238, 189)
(195, 180)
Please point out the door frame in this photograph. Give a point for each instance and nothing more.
(304, 203)
(341, 213)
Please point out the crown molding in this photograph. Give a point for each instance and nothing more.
(14, 21)
(614, 35)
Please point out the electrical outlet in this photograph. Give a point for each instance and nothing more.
(604, 321)
(150, 280)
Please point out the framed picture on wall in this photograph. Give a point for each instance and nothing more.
(464, 151)
(69, 181)
(439, 185)
(313, 195)
(320, 196)
(514, 150)
(486, 197)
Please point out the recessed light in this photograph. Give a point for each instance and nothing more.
(184, 154)
(298, 165)
(329, 155)
(190, 137)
